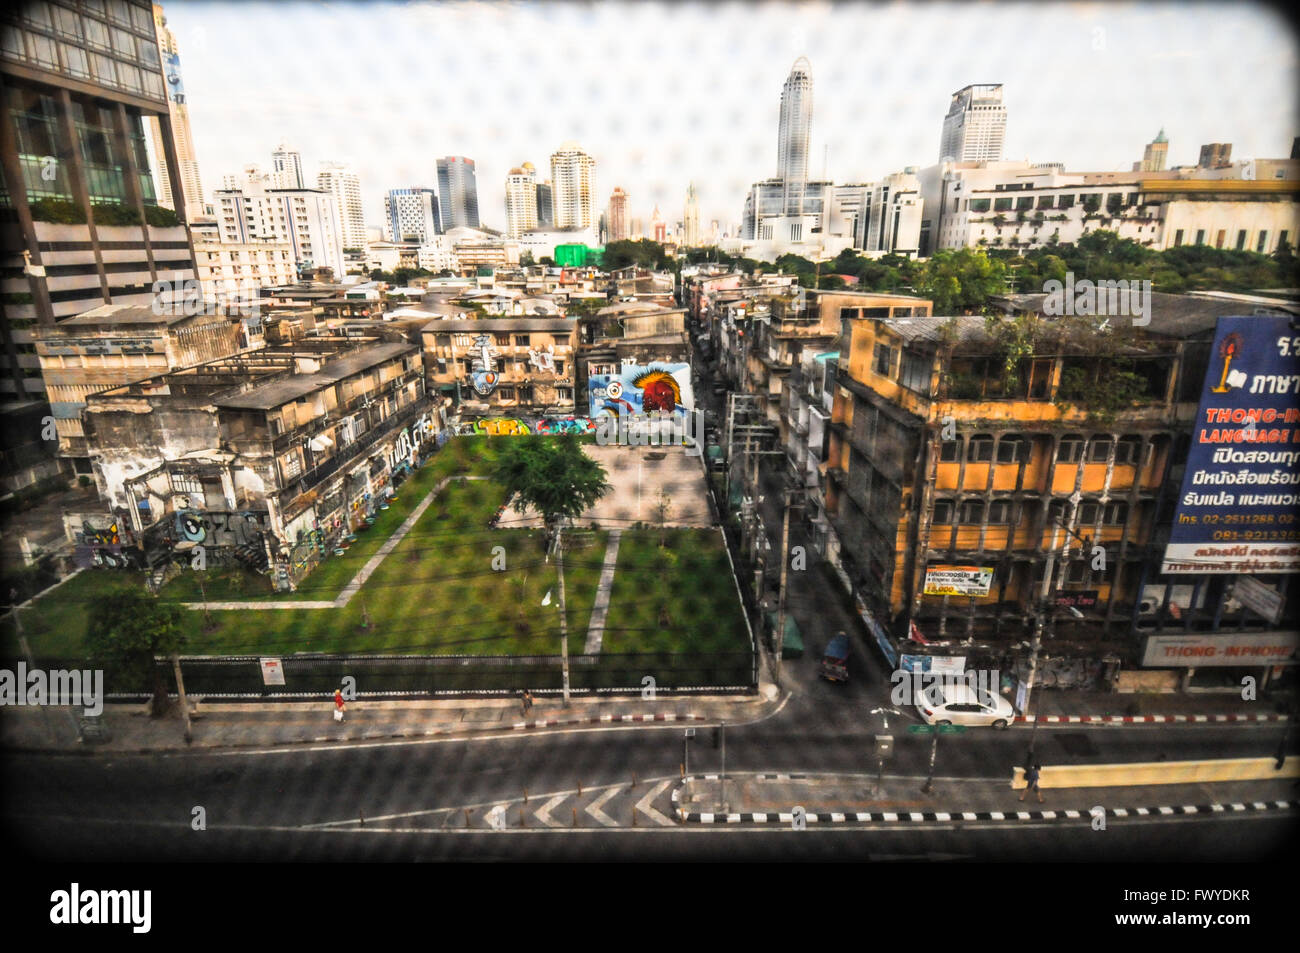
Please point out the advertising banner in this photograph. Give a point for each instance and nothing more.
(1240, 499)
(1207, 650)
(958, 580)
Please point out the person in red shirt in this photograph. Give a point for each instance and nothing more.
(338, 704)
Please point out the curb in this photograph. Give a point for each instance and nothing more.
(91, 750)
(1146, 719)
(922, 817)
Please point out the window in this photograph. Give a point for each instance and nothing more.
(1241, 239)
(1070, 449)
(1013, 448)
(979, 205)
(505, 393)
(75, 60)
(1200, 236)
(1046, 201)
(1099, 450)
(1002, 205)
(1001, 511)
(1128, 450)
(942, 512)
(1076, 574)
(979, 449)
(1065, 201)
(948, 451)
(67, 23)
(1024, 203)
(1115, 513)
(884, 360)
(522, 340)
(1178, 238)
(1088, 512)
(916, 372)
(1263, 242)
(291, 464)
(140, 19)
(972, 511)
(186, 483)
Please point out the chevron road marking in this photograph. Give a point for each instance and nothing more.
(644, 807)
(594, 808)
(543, 813)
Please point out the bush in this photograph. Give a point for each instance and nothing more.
(160, 217)
(58, 212)
(83, 481)
(106, 214)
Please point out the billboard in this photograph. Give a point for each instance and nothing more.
(958, 580)
(172, 72)
(1240, 498)
(1209, 650)
(642, 389)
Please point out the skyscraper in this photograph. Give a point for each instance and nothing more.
(458, 191)
(975, 125)
(179, 110)
(794, 134)
(545, 205)
(574, 175)
(339, 180)
(658, 227)
(521, 200)
(691, 220)
(1155, 154)
(411, 215)
(286, 168)
(618, 215)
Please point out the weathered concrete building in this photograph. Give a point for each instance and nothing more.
(269, 456)
(503, 366)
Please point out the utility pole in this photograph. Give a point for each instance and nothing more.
(180, 692)
(934, 750)
(723, 726)
(564, 622)
(785, 569)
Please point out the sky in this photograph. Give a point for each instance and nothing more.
(662, 95)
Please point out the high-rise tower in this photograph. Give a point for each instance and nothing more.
(794, 134)
(975, 125)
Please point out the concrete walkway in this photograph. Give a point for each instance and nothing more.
(600, 608)
(348, 591)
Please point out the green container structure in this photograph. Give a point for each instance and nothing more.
(571, 256)
(792, 647)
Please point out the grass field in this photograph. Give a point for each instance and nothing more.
(438, 592)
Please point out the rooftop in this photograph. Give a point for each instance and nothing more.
(288, 389)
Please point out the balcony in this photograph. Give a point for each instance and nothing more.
(353, 451)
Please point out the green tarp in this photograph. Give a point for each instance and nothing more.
(792, 646)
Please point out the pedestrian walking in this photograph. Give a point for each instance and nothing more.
(339, 704)
(1031, 781)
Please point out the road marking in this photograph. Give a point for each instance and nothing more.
(644, 807)
(594, 808)
(543, 813)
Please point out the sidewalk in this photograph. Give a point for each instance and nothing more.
(1054, 706)
(129, 729)
(833, 799)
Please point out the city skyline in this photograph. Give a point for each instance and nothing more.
(875, 122)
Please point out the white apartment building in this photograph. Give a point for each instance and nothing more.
(521, 200)
(890, 223)
(975, 126)
(229, 273)
(573, 177)
(286, 168)
(340, 181)
(307, 220)
(437, 255)
(1017, 205)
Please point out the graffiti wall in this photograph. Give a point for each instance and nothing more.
(516, 426)
(642, 389)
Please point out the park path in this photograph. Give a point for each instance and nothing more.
(600, 608)
(348, 591)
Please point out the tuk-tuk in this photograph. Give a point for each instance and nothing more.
(835, 661)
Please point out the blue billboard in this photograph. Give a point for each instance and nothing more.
(1239, 507)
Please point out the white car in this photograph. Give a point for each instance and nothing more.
(964, 705)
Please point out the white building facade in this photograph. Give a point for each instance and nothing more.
(573, 183)
(340, 181)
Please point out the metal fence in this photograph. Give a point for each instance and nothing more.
(388, 676)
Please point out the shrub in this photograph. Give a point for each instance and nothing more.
(58, 212)
(106, 214)
(160, 217)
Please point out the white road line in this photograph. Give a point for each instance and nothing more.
(543, 813)
(594, 808)
(644, 807)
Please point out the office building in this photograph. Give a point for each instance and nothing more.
(458, 191)
(618, 215)
(341, 182)
(1155, 155)
(691, 219)
(975, 126)
(545, 205)
(412, 215)
(1215, 155)
(286, 168)
(794, 135)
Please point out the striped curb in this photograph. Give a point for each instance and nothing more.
(373, 735)
(1147, 719)
(922, 817)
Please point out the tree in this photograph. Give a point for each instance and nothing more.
(961, 280)
(128, 628)
(547, 260)
(526, 258)
(553, 476)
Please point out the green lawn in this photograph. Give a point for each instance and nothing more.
(438, 592)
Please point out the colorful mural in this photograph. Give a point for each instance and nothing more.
(642, 389)
(515, 426)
